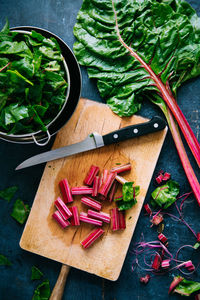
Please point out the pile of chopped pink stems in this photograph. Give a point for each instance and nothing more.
(96, 190)
(154, 257)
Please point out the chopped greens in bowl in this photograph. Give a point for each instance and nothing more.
(33, 81)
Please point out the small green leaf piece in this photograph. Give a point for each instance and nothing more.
(42, 292)
(165, 195)
(35, 273)
(4, 261)
(20, 211)
(8, 193)
(186, 287)
(127, 191)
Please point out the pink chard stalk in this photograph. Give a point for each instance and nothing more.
(128, 68)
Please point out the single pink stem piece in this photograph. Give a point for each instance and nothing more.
(105, 175)
(114, 214)
(148, 209)
(93, 171)
(65, 190)
(166, 176)
(159, 178)
(198, 237)
(104, 189)
(165, 263)
(81, 190)
(157, 219)
(86, 219)
(62, 208)
(174, 283)
(91, 202)
(75, 216)
(121, 179)
(121, 168)
(122, 221)
(95, 186)
(99, 215)
(58, 217)
(145, 279)
(113, 191)
(92, 237)
(156, 262)
(162, 238)
(197, 297)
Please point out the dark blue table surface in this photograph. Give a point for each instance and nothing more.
(59, 16)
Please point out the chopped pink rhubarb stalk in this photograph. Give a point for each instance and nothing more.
(174, 283)
(166, 176)
(189, 265)
(93, 171)
(106, 186)
(86, 219)
(99, 215)
(75, 216)
(121, 179)
(148, 209)
(81, 190)
(114, 214)
(92, 237)
(145, 279)
(159, 178)
(91, 202)
(65, 190)
(105, 175)
(156, 262)
(113, 191)
(198, 237)
(165, 263)
(162, 238)
(58, 217)
(95, 187)
(121, 168)
(62, 208)
(122, 221)
(157, 219)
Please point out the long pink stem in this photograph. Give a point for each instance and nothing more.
(92, 237)
(167, 97)
(183, 156)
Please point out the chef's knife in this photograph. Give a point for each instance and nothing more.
(96, 140)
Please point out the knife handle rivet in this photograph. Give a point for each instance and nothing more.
(135, 130)
(115, 136)
(155, 125)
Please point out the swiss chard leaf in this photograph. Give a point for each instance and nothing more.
(124, 205)
(42, 292)
(165, 195)
(4, 261)
(111, 35)
(8, 193)
(186, 287)
(20, 211)
(127, 191)
(35, 273)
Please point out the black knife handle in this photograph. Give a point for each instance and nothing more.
(154, 125)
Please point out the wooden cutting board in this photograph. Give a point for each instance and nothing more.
(43, 236)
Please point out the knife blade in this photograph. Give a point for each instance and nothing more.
(95, 140)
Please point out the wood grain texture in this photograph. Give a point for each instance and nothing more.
(43, 236)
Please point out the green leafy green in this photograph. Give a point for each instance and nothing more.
(127, 191)
(165, 195)
(129, 194)
(35, 273)
(186, 287)
(32, 81)
(164, 34)
(42, 292)
(4, 261)
(20, 211)
(8, 193)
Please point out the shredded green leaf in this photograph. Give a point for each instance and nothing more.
(186, 287)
